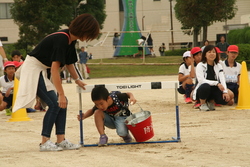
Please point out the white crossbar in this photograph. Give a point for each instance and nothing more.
(130, 86)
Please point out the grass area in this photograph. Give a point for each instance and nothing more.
(103, 71)
(162, 59)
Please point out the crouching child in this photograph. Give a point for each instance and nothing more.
(110, 110)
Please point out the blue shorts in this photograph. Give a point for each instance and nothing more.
(116, 122)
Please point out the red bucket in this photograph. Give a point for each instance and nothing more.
(140, 125)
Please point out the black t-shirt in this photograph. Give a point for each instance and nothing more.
(211, 73)
(123, 97)
(56, 47)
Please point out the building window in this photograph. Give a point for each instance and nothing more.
(5, 11)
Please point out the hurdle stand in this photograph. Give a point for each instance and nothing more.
(133, 86)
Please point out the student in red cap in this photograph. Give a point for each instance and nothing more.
(7, 84)
(232, 70)
(197, 53)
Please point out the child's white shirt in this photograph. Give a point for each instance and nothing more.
(5, 83)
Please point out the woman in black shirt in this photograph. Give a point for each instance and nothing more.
(54, 51)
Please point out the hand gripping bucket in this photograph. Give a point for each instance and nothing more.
(140, 125)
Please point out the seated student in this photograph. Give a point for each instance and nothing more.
(211, 87)
(186, 75)
(197, 53)
(7, 84)
(110, 110)
(16, 56)
(232, 70)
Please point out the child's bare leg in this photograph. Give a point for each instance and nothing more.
(1, 98)
(99, 121)
(3, 105)
(231, 94)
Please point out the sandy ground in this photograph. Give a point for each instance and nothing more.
(215, 138)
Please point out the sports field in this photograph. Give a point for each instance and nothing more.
(208, 139)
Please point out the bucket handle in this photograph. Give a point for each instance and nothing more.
(138, 105)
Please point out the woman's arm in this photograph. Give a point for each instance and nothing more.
(62, 102)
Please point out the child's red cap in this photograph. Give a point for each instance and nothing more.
(233, 48)
(9, 63)
(18, 64)
(195, 50)
(218, 50)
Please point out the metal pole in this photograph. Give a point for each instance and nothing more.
(171, 24)
(80, 113)
(177, 114)
(143, 23)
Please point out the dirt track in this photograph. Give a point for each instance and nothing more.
(216, 138)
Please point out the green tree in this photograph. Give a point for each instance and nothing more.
(196, 14)
(36, 19)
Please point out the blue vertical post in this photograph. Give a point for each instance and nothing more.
(80, 113)
(177, 115)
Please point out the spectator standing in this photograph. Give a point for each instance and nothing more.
(115, 39)
(162, 49)
(223, 45)
(206, 42)
(150, 45)
(83, 56)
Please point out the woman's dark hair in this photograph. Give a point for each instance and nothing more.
(99, 93)
(85, 25)
(115, 34)
(209, 48)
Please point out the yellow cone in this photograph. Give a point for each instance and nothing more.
(21, 114)
(244, 89)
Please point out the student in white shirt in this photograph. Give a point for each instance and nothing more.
(186, 75)
(232, 70)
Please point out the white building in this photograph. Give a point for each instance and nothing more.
(156, 20)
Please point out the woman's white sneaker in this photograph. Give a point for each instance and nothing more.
(49, 146)
(204, 107)
(66, 145)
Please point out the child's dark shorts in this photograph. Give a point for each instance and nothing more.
(8, 100)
